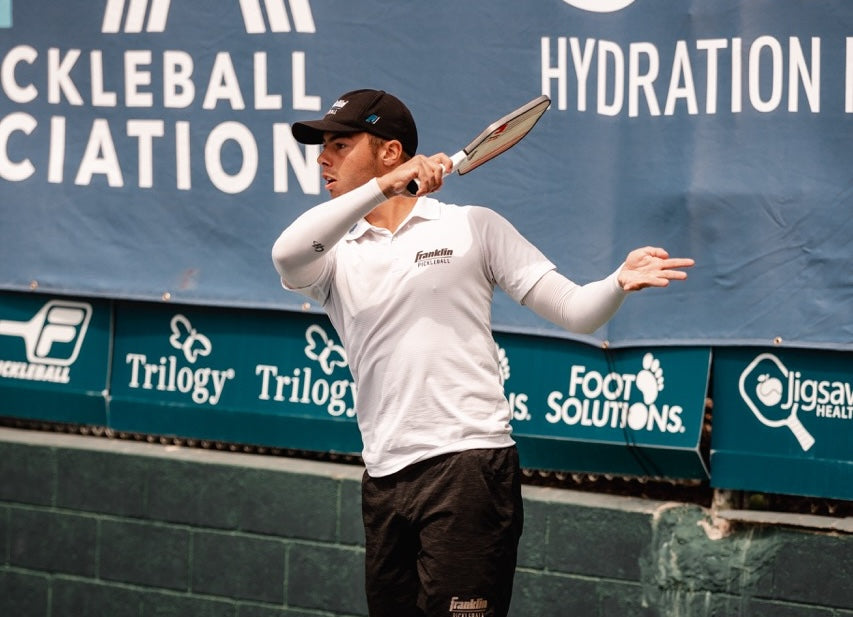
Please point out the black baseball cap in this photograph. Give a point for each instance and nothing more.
(363, 111)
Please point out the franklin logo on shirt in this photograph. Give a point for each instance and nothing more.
(430, 258)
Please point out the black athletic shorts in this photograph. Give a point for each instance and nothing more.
(442, 536)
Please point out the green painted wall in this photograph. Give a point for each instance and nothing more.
(104, 528)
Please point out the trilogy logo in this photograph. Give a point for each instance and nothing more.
(157, 13)
(203, 384)
(52, 340)
(600, 6)
(775, 395)
(599, 401)
(302, 386)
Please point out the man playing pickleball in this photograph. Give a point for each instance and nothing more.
(407, 281)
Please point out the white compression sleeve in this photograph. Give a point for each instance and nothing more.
(577, 308)
(299, 250)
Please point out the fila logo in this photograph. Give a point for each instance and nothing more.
(52, 339)
(54, 334)
(135, 16)
(137, 10)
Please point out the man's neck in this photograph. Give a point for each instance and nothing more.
(391, 213)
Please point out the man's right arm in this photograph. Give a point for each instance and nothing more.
(301, 247)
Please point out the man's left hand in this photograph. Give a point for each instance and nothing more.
(652, 267)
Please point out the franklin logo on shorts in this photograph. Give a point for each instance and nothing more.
(430, 258)
(475, 607)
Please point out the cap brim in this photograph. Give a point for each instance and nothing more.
(312, 131)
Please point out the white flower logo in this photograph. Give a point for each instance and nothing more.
(188, 340)
(330, 354)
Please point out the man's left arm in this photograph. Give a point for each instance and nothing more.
(585, 308)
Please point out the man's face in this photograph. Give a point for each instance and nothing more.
(348, 161)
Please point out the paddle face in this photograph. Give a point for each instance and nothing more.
(503, 134)
(498, 137)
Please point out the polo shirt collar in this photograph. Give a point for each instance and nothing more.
(425, 208)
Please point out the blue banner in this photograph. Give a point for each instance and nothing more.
(145, 147)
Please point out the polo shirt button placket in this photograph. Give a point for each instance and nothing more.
(397, 260)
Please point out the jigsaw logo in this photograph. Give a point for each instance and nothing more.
(303, 386)
(170, 373)
(135, 16)
(776, 396)
(52, 340)
(616, 400)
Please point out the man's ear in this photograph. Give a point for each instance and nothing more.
(392, 153)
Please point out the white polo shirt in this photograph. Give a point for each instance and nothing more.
(413, 310)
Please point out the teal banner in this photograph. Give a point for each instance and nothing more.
(282, 379)
(783, 421)
(54, 358)
(261, 378)
(627, 411)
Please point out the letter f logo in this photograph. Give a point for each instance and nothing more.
(5, 13)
